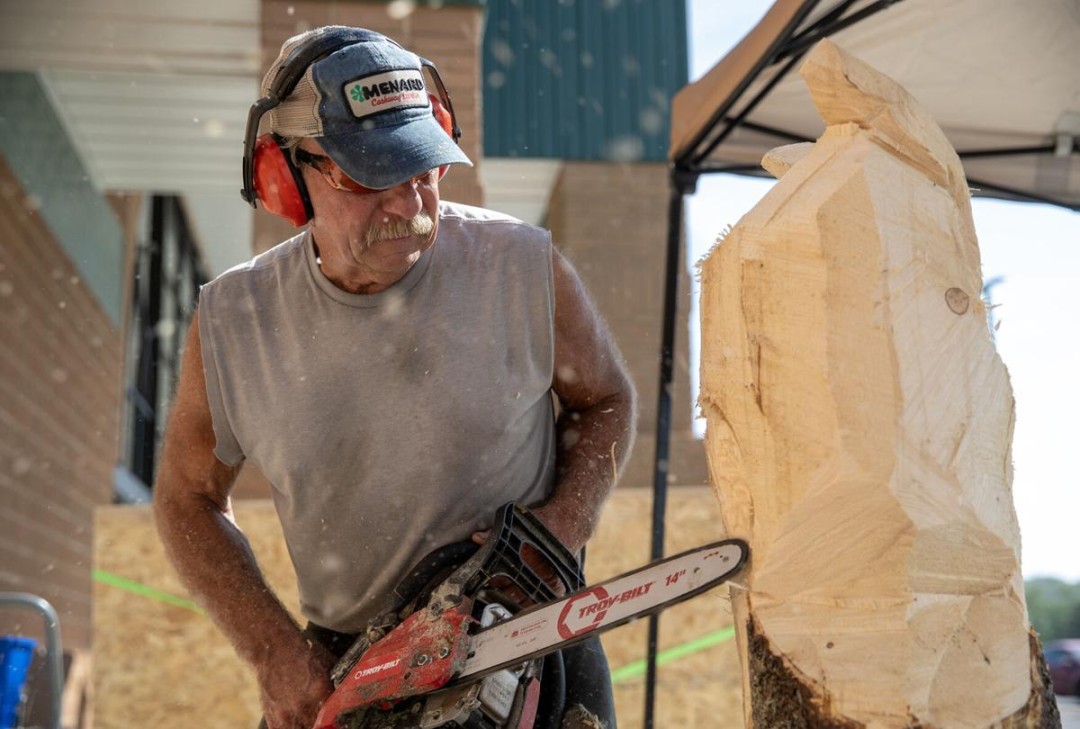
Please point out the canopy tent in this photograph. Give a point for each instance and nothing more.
(1001, 78)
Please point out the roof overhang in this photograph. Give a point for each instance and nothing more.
(153, 96)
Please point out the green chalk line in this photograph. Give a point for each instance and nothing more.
(637, 668)
(138, 588)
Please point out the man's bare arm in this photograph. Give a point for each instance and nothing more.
(598, 420)
(194, 519)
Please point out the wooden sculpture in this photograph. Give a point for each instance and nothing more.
(859, 430)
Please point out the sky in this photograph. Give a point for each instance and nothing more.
(1033, 249)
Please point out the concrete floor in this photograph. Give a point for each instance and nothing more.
(1069, 706)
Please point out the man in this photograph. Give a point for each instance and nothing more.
(391, 371)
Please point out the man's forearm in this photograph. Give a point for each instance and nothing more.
(216, 564)
(593, 447)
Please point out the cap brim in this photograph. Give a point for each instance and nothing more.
(383, 157)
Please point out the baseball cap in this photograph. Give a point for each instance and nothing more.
(367, 105)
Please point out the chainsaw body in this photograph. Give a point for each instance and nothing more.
(467, 651)
(399, 673)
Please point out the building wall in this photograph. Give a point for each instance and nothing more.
(582, 80)
(59, 406)
(35, 145)
(610, 220)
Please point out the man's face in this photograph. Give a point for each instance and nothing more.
(368, 236)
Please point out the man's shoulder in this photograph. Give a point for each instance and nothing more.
(463, 214)
(493, 246)
(258, 276)
(284, 253)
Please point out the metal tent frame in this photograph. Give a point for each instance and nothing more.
(781, 56)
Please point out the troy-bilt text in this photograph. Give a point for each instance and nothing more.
(607, 602)
(376, 669)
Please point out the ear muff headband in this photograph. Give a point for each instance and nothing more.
(290, 71)
(292, 201)
(279, 184)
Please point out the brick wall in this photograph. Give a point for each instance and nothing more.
(59, 407)
(610, 220)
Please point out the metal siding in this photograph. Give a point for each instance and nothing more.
(582, 79)
(36, 147)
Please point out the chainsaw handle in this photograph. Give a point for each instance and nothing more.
(515, 526)
(564, 562)
(501, 555)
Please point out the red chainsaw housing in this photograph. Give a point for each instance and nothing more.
(431, 646)
(420, 655)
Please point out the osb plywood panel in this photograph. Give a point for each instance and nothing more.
(162, 665)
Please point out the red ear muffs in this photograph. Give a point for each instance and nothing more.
(275, 182)
(446, 121)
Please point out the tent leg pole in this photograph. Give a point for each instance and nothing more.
(681, 183)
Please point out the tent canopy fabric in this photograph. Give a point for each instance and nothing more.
(1001, 77)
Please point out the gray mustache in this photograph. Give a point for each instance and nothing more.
(420, 225)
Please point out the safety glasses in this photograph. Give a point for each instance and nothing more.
(336, 177)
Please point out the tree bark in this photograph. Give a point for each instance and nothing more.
(859, 432)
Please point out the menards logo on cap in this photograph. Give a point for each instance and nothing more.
(384, 91)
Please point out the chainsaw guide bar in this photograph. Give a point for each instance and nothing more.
(599, 608)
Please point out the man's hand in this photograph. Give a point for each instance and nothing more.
(293, 686)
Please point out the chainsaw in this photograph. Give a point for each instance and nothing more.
(464, 642)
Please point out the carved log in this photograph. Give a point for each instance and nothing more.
(859, 431)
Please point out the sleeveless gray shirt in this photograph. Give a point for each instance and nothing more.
(388, 424)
